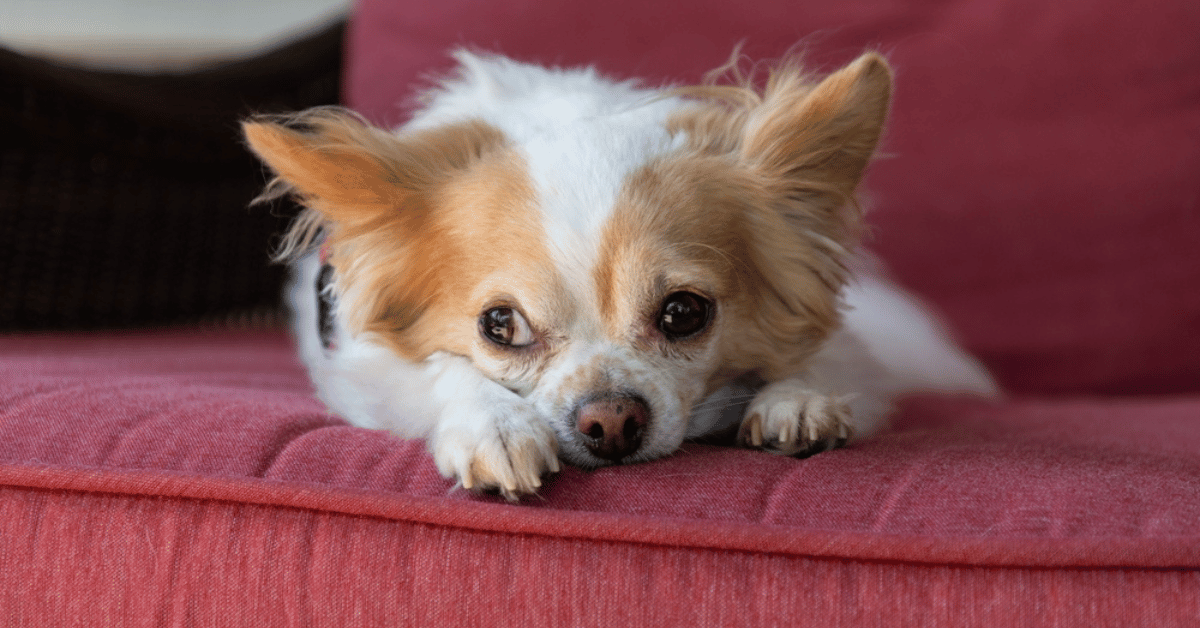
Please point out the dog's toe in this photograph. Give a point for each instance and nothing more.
(509, 455)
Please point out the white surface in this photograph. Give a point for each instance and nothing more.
(153, 35)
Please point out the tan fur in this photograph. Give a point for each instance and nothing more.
(676, 226)
(413, 222)
(426, 301)
(484, 221)
(787, 161)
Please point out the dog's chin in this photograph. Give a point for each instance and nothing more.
(575, 453)
(583, 460)
(578, 456)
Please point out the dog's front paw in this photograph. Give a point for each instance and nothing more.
(503, 446)
(788, 418)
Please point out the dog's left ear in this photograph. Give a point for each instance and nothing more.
(819, 138)
(808, 145)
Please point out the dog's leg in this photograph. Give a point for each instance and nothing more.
(487, 437)
(790, 418)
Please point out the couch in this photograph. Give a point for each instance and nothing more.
(1039, 184)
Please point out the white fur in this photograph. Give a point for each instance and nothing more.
(581, 136)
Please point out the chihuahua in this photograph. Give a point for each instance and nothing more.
(545, 264)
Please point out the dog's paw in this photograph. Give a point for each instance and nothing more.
(790, 419)
(504, 447)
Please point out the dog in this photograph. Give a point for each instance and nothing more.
(546, 264)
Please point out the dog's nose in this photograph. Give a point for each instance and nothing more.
(612, 424)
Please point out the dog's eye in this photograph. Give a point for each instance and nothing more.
(505, 326)
(683, 314)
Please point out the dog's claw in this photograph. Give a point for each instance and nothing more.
(466, 481)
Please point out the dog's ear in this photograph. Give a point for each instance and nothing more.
(818, 139)
(350, 171)
(808, 144)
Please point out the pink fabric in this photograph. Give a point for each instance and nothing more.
(238, 406)
(107, 559)
(184, 474)
(1041, 177)
(91, 558)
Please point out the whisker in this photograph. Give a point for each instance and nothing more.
(724, 403)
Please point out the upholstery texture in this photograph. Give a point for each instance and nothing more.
(1039, 188)
(189, 478)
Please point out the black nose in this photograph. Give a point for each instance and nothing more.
(611, 424)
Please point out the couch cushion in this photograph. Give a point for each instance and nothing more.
(198, 466)
(1040, 182)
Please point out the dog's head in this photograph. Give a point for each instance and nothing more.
(612, 269)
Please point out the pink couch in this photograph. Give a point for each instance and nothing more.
(1042, 189)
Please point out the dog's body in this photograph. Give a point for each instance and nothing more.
(544, 263)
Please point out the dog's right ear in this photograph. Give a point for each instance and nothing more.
(333, 161)
(351, 172)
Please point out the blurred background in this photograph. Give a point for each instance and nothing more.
(157, 35)
(124, 185)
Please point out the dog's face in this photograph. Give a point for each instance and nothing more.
(613, 271)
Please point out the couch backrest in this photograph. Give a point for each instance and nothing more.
(1042, 184)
